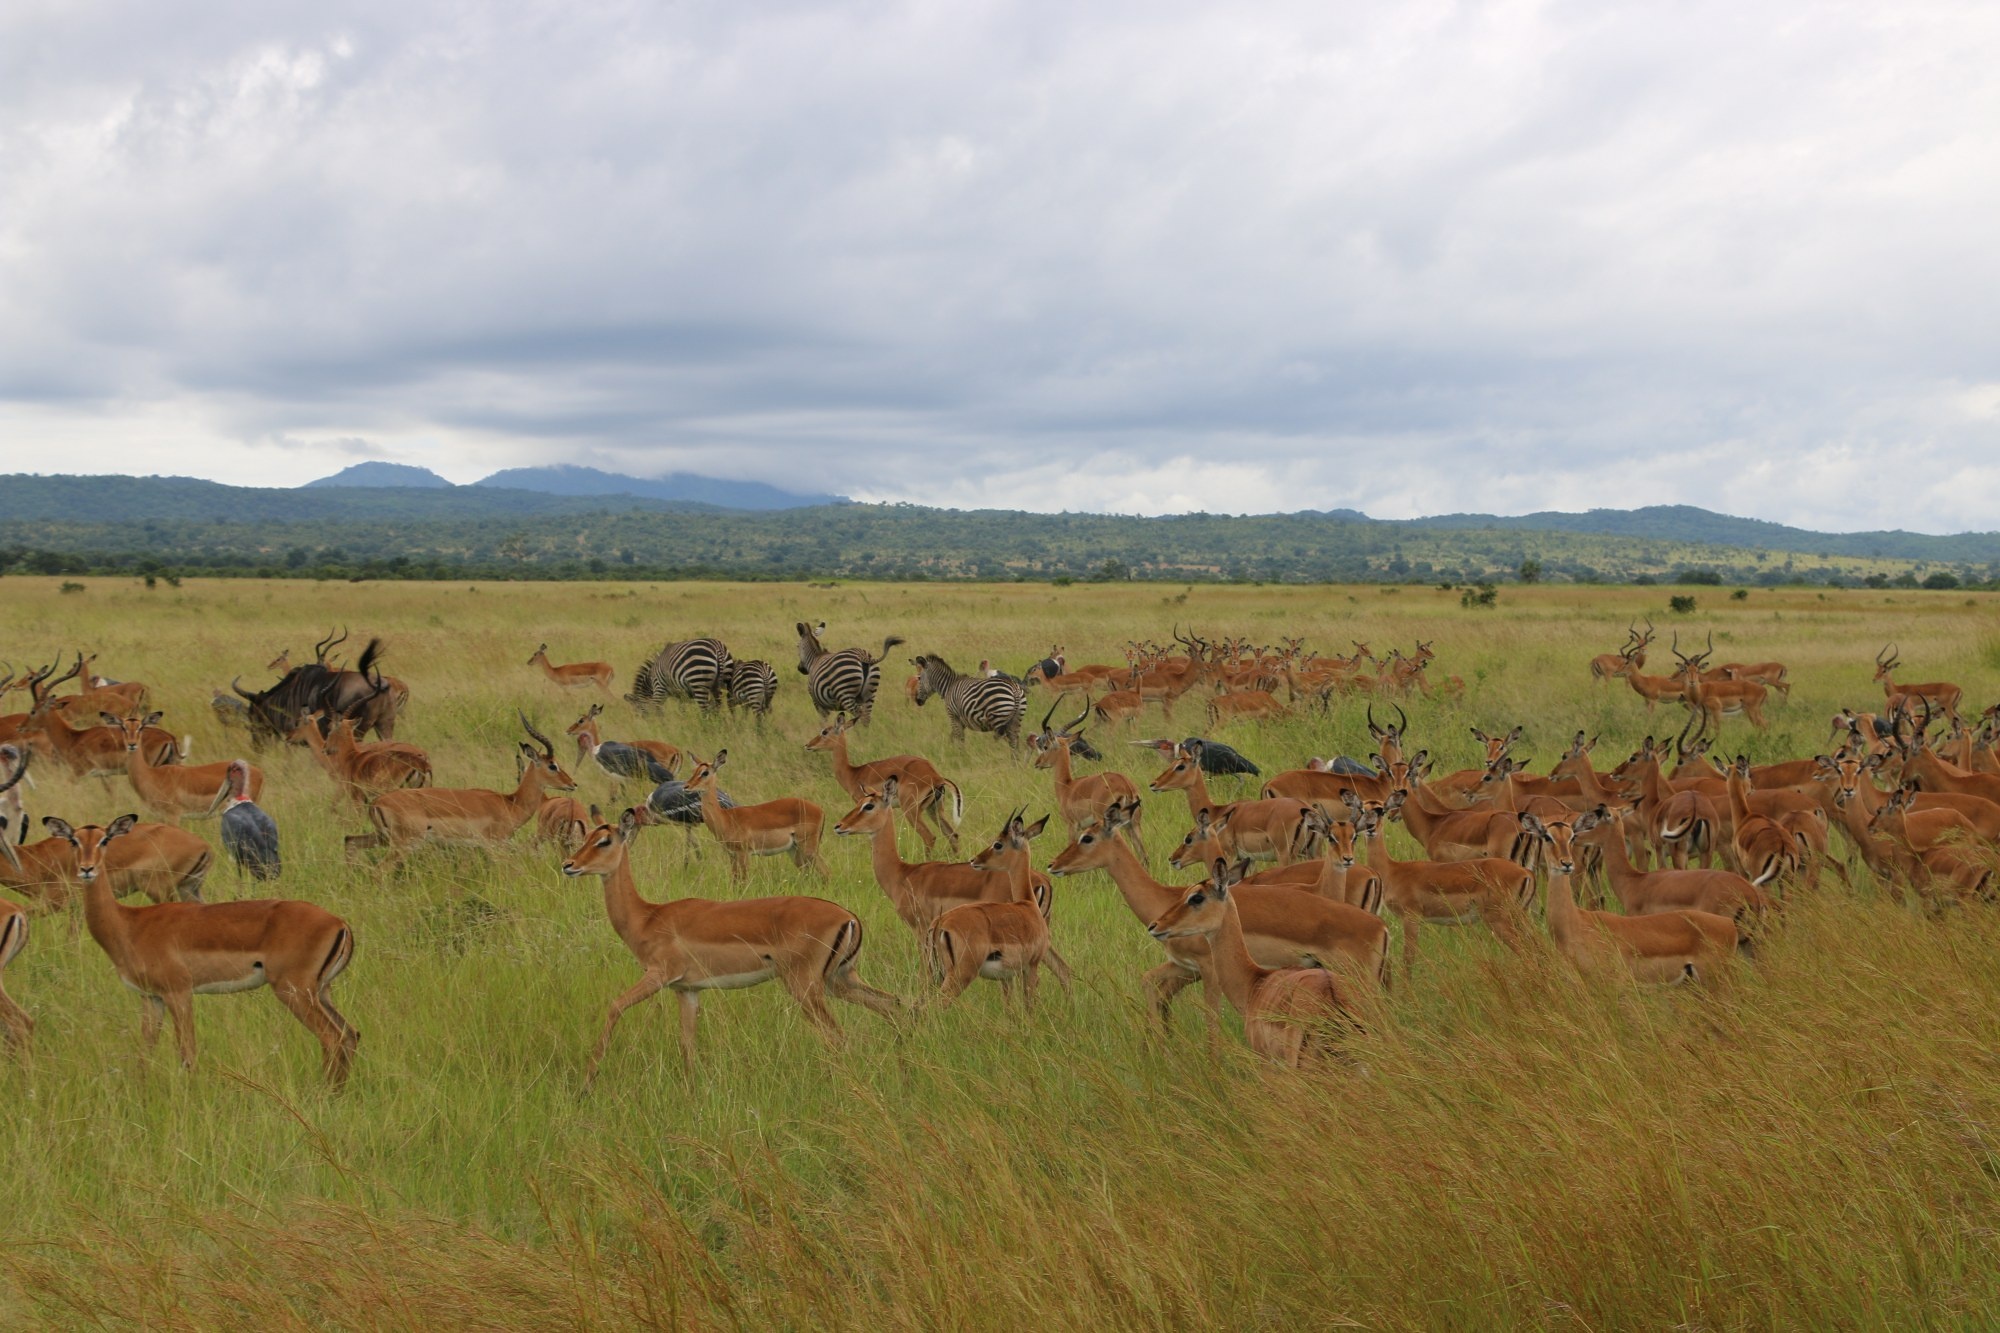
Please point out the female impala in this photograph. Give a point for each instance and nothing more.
(1662, 948)
(174, 951)
(695, 944)
(95, 751)
(473, 816)
(1287, 1012)
(576, 675)
(1082, 800)
(1264, 830)
(1444, 893)
(178, 789)
(922, 891)
(1640, 892)
(1764, 848)
(159, 860)
(362, 771)
(1282, 927)
(788, 824)
(999, 941)
(919, 786)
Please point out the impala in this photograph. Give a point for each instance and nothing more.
(1082, 800)
(1662, 948)
(1764, 848)
(1287, 1012)
(1444, 893)
(1606, 667)
(14, 1020)
(576, 675)
(1237, 705)
(1654, 688)
(1264, 829)
(1942, 696)
(159, 860)
(363, 771)
(788, 824)
(921, 891)
(177, 789)
(1714, 700)
(690, 945)
(172, 952)
(565, 821)
(1283, 927)
(1933, 846)
(474, 816)
(1639, 892)
(919, 786)
(96, 751)
(1002, 941)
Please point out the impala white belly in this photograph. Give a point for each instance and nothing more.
(251, 978)
(731, 980)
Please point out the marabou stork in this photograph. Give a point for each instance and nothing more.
(248, 834)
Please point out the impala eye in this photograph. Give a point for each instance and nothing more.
(1194, 900)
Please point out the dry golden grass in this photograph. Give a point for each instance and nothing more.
(1815, 1143)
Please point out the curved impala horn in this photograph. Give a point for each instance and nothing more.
(547, 749)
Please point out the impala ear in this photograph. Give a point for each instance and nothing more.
(628, 823)
(1034, 830)
(59, 828)
(110, 721)
(120, 826)
(153, 718)
(721, 758)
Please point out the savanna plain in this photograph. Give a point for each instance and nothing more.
(1812, 1141)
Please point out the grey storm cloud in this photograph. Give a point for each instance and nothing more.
(1411, 259)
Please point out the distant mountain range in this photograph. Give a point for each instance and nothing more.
(675, 487)
(378, 520)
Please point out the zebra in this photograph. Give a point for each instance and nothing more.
(842, 682)
(696, 669)
(752, 685)
(983, 703)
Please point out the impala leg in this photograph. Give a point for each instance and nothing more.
(306, 1007)
(180, 1008)
(16, 1021)
(149, 1021)
(690, 1017)
(843, 984)
(1060, 967)
(806, 988)
(1031, 978)
(648, 986)
(1163, 983)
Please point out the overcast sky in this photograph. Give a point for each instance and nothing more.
(1408, 258)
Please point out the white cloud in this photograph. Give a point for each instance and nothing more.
(1409, 259)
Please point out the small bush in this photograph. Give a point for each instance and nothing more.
(1681, 606)
(1479, 595)
(70, 585)
(1941, 581)
(1740, 595)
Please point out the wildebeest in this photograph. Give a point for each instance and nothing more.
(363, 695)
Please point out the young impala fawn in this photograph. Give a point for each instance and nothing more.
(788, 824)
(690, 945)
(1002, 941)
(172, 952)
(1288, 1013)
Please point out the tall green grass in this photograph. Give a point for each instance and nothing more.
(1811, 1144)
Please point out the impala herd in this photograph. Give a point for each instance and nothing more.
(1697, 853)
